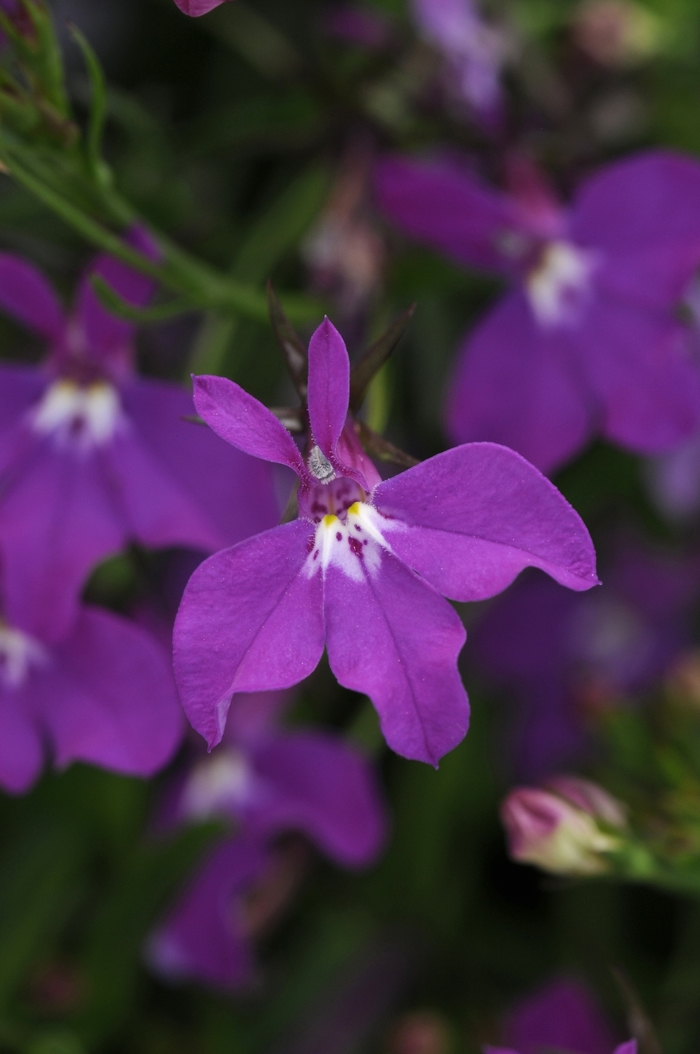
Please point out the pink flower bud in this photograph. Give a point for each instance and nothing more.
(548, 830)
(590, 797)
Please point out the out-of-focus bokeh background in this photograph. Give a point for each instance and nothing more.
(250, 136)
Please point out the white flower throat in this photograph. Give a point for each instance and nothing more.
(560, 283)
(79, 417)
(19, 654)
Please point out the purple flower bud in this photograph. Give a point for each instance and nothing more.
(558, 835)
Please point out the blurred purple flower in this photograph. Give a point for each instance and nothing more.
(363, 26)
(474, 51)
(265, 781)
(103, 694)
(561, 1016)
(362, 568)
(198, 7)
(560, 655)
(92, 456)
(588, 341)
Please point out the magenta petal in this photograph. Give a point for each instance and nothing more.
(27, 296)
(318, 784)
(627, 1048)
(204, 936)
(392, 637)
(329, 387)
(245, 423)
(443, 205)
(198, 7)
(57, 521)
(232, 493)
(643, 371)
(562, 1016)
(108, 697)
(650, 197)
(251, 620)
(470, 519)
(21, 752)
(519, 385)
(104, 332)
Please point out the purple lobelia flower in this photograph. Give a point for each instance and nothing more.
(198, 7)
(266, 781)
(561, 1016)
(587, 341)
(563, 656)
(103, 693)
(474, 51)
(92, 456)
(363, 567)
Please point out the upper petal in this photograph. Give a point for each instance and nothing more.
(245, 423)
(329, 387)
(320, 785)
(517, 384)
(104, 332)
(251, 620)
(444, 205)
(470, 519)
(28, 296)
(395, 639)
(109, 697)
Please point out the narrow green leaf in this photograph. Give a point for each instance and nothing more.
(375, 357)
(120, 307)
(98, 107)
(291, 344)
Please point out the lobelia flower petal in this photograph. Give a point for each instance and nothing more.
(20, 388)
(392, 637)
(136, 478)
(643, 372)
(28, 296)
(562, 1015)
(649, 198)
(627, 1048)
(195, 8)
(470, 519)
(21, 751)
(107, 697)
(245, 423)
(105, 333)
(235, 493)
(519, 385)
(329, 387)
(204, 935)
(318, 784)
(251, 620)
(58, 520)
(444, 205)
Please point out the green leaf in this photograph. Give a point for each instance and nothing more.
(374, 358)
(98, 108)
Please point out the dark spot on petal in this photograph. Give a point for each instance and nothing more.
(357, 527)
(355, 546)
(339, 536)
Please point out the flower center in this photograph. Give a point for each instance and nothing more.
(559, 285)
(353, 544)
(18, 654)
(78, 417)
(333, 498)
(217, 785)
